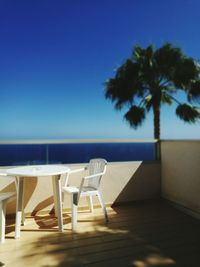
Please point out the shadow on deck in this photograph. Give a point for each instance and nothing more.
(141, 234)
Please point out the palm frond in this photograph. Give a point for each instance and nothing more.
(125, 86)
(167, 58)
(148, 102)
(135, 116)
(194, 92)
(187, 113)
(185, 72)
(137, 52)
(169, 88)
(166, 99)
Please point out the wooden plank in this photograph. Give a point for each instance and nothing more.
(142, 234)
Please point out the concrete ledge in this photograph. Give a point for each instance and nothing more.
(123, 182)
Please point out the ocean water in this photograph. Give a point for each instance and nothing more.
(30, 154)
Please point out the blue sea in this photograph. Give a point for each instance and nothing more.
(31, 154)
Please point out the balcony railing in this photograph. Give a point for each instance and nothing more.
(75, 151)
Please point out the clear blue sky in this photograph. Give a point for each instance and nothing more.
(55, 56)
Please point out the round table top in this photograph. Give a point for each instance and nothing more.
(38, 170)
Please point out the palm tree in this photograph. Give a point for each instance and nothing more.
(151, 77)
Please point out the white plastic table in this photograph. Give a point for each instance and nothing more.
(22, 173)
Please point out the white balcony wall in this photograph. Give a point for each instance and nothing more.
(123, 182)
(180, 174)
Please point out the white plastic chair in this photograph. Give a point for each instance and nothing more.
(15, 179)
(89, 187)
(4, 198)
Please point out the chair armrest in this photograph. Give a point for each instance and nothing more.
(5, 196)
(4, 175)
(66, 177)
(93, 175)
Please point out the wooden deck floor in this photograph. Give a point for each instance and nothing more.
(146, 234)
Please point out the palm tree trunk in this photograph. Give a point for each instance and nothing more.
(156, 114)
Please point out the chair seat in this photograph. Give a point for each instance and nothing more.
(70, 189)
(85, 190)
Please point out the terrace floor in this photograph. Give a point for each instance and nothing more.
(143, 234)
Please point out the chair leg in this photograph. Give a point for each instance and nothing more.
(74, 203)
(103, 205)
(90, 203)
(63, 199)
(2, 221)
(23, 217)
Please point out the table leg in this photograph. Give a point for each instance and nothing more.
(17, 186)
(19, 206)
(58, 200)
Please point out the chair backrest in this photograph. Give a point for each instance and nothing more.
(96, 166)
